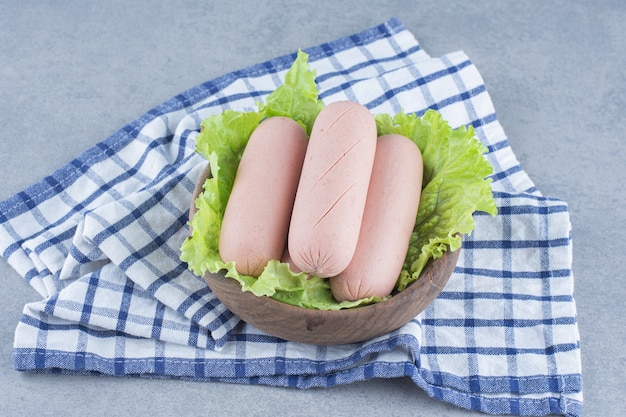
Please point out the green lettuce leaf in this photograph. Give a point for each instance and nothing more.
(454, 186)
(300, 289)
(297, 97)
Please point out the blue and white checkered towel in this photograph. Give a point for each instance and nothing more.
(99, 239)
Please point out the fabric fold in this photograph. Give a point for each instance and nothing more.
(99, 240)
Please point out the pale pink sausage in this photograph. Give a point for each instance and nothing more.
(256, 220)
(388, 221)
(331, 196)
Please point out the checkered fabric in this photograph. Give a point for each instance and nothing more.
(99, 240)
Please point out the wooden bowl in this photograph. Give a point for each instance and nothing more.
(325, 327)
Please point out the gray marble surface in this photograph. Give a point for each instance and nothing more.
(73, 72)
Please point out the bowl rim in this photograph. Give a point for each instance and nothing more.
(333, 327)
(448, 256)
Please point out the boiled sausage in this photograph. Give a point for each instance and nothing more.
(331, 195)
(256, 220)
(388, 221)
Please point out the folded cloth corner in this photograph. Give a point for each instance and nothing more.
(99, 240)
